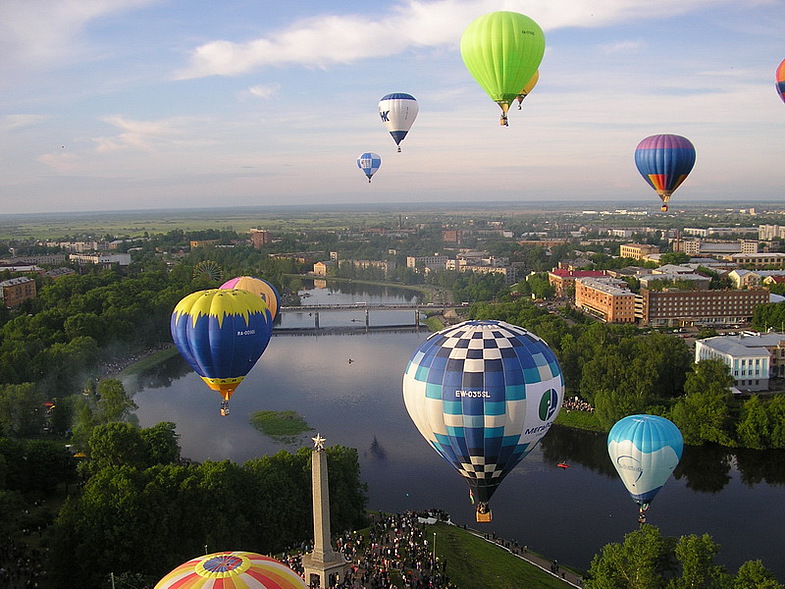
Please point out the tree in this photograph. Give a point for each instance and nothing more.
(113, 402)
(696, 556)
(161, 444)
(21, 410)
(640, 562)
(702, 414)
(755, 426)
(116, 444)
(753, 575)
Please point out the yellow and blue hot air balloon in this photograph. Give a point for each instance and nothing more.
(221, 334)
(644, 450)
(259, 287)
(398, 111)
(664, 161)
(483, 393)
(369, 163)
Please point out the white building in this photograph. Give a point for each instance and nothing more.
(752, 358)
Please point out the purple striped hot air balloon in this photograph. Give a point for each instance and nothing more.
(779, 79)
(664, 161)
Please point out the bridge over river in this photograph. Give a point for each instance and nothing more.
(316, 310)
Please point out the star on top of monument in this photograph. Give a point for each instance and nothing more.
(318, 442)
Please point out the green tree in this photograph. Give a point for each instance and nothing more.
(641, 562)
(21, 410)
(161, 445)
(116, 444)
(696, 555)
(753, 575)
(702, 414)
(114, 404)
(755, 426)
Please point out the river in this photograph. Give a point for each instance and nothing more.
(568, 514)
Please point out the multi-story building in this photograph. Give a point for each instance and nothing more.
(769, 232)
(101, 259)
(674, 308)
(752, 358)
(775, 260)
(608, 299)
(260, 237)
(432, 262)
(637, 251)
(15, 290)
(562, 279)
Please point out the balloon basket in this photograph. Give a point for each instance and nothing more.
(483, 515)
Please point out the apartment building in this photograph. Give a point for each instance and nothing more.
(637, 251)
(15, 290)
(561, 279)
(676, 308)
(607, 299)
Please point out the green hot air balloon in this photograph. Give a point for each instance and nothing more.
(502, 51)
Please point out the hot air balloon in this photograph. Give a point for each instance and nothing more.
(398, 111)
(259, 287)
(369, 162)
(664, 161)
(528, 88)
(483, 393)
(502, 51)
(232, 569)
(644, 449)
(221, 334)
(779, 78)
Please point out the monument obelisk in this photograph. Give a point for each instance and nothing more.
(323, 563)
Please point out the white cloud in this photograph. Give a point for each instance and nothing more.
(327, 40)
(264, 90)
(140, 135)
(42, 32)
(623, 47)
(11, 122)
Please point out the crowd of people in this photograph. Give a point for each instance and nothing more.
(20, 566)
(395, 547)
(577, 404)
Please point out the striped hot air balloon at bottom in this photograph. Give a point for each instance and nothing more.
(232, 570)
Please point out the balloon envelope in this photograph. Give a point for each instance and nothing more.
(644, 450)
(483, 393)
(260, 288)
(236, 570)
(398, 111)
(664, 161)
(369, 162)
(528, 87)
(779, 78)
(221, 334)
(502, 51)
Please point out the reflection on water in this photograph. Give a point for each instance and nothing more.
(568, 514)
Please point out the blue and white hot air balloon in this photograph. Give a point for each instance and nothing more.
(369, 162)
(483, 393)
(398, 111)
(644, 450)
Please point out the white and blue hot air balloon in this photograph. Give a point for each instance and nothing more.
(398, 111)
(644, 450)
(483, 393)
(369, 162)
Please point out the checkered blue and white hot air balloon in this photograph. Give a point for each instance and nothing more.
(483, 393)
(369, 163)
(644, 450)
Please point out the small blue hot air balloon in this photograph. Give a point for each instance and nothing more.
(398, 111)
(483, 393)
(644, 450)
(665, 161)
(221, 333)
(369, 162)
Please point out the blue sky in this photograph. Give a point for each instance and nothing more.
(145, 104)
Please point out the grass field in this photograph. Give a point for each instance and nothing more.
(473, 563)
(283, 426)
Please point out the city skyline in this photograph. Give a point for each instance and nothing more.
(154, 104)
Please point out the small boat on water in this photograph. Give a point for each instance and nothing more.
(563, 465)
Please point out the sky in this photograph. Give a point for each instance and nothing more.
(160, 104)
